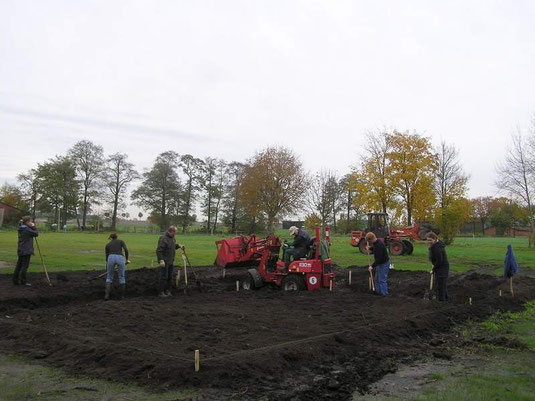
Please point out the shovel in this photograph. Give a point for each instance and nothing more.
(186, 261)
(371, 283)
(43, 263)
(426, 295)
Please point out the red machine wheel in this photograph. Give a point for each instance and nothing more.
(293, 282)
(408, 247)
(396, 247)
(362, 246)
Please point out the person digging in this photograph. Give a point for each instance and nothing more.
(298, 248)
(27, 231)
(114, 257)
(165, 253)
(381, 263)
(441, 265)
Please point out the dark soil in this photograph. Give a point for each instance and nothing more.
(264, 344)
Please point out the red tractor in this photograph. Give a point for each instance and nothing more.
(399, 242)
(310, 273)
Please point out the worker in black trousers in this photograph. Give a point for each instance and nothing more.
(441, 266)
(27, 231)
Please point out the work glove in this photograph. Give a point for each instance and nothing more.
(162, 263)
(183, 247)
(370, 268)
(127, 262)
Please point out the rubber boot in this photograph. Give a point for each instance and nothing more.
(108, 292)
(122, 289)
(161, 290)
(168, 288)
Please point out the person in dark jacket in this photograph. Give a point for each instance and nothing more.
(165, 253)
(299, 247)
(441, 266)
(114, 257)
(27, 231)
(381, 263)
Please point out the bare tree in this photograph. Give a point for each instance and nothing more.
(89, 161)
(516, 176)
(192, 168)
(231, 201)
(118, 175)
(319, 200)
(450, 179)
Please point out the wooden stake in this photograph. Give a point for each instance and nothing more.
(500, 293)
(431, 281)
(224, 270)
(511, 287)
(330, 285)
(237, 285)
(349, 280)
(469, 301)
(197, 361)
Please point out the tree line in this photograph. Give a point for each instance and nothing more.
(399, 173)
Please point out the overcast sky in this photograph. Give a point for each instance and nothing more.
(228, 78)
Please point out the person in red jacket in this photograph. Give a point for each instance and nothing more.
(27, 231)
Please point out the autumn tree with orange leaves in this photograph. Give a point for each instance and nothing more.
(274, 184)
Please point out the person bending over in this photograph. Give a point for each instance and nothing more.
(381, 263)
(114, 257)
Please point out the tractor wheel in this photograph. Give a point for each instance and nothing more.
(247, 282)
(396, 247)
(362, 246)
(293, 282)
(407, 247)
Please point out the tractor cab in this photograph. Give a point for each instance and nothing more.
(378, 224)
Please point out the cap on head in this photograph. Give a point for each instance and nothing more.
(293, 230)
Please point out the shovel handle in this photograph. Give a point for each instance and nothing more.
(371, 280)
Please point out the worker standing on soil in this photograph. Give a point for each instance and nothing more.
(441, 266)
(114, 257)
(165, 252)
(298, 248)
(27, 231)
(381, 263)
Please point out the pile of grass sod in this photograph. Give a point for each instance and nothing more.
(85, 251)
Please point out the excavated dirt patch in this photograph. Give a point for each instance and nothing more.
(264, 344)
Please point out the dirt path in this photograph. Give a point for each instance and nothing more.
(263, 344)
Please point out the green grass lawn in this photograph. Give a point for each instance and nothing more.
(76, 251)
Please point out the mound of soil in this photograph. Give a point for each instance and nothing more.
(265, 344)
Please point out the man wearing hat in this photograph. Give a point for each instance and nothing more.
(299, 247)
